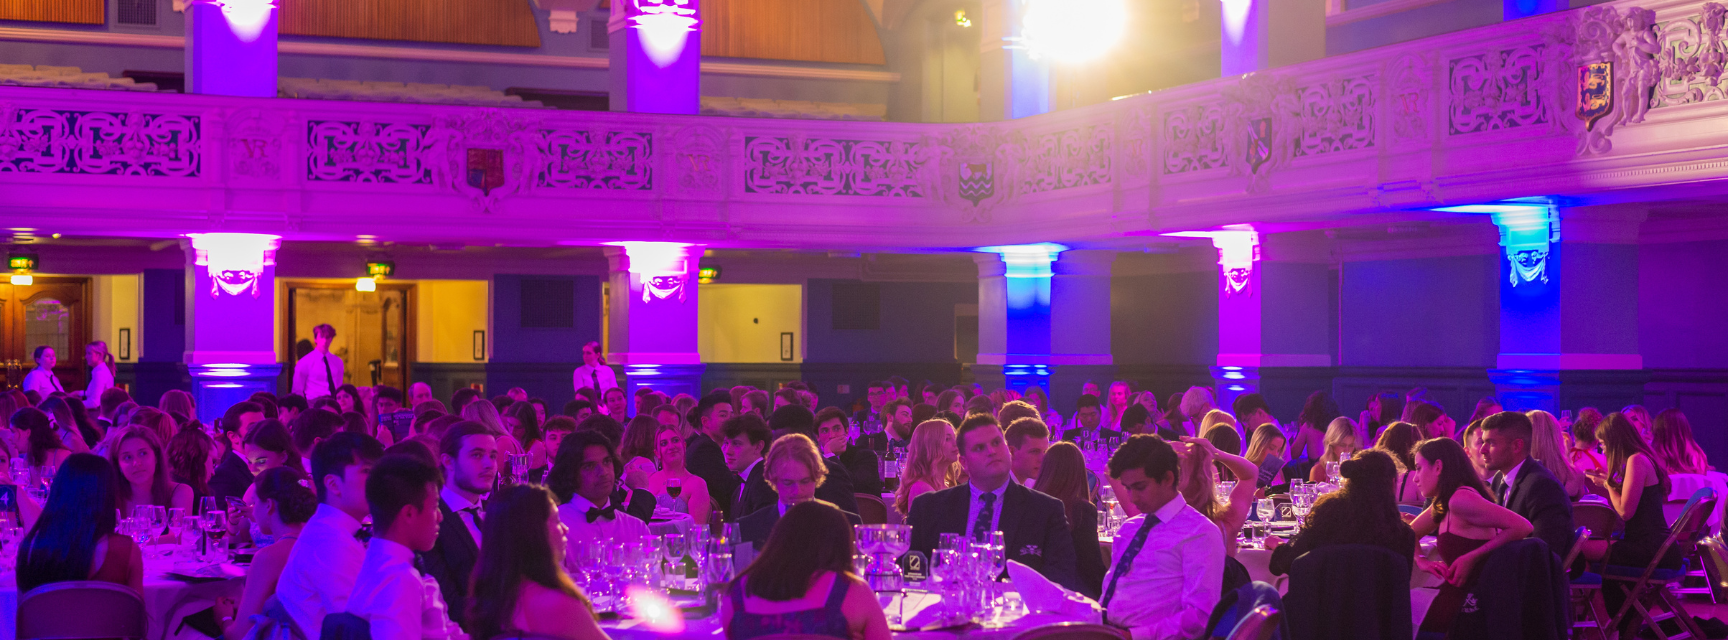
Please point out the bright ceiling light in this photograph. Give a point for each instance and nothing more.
(1072, 30)
(24, 280)
(365, 284)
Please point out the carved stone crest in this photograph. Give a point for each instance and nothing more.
(975, 171)
(698, 156)
(484, 155)
(1262, 113)
(1409, 83)
(254, 144)
(1617, 52)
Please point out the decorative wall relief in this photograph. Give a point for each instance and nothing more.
(697, 158)
(1497, 90)
(1263, 118)
(99, 142)
(485, 155)
(382, 152)
(976, 175)
(597, 159)
(1064, 160)
(1336, 116)
(833, 167)
(254, 144)
(1692, 57)
(1613, 61)
(1409, 82)
(1136, 135)
(1193, 139)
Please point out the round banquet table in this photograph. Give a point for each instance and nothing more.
(670, 522)
(166, 599)
(708, 627)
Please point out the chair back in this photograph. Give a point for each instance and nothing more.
(1349, 591)
(345, 626)
(63, 611)
(1072, 631)
(1689, 526)
(1260, 624)
(871, 509)
(1602, 520)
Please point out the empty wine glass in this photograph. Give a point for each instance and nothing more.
(177, 526)
(207, 504)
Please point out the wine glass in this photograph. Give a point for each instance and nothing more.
(519, 468)
(730, 534)
(1332, 471)
(177, 525)
(1267, 509)
(675, 545)
(207, 504)
(215, 529)
(674, 486)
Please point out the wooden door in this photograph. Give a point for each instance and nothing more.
(54, 312)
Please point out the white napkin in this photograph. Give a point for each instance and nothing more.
(1043, 596)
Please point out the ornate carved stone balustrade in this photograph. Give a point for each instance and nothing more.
(1607, 103)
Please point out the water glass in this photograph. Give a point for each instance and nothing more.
(207, 504)
(519, 468)
(1332, 471)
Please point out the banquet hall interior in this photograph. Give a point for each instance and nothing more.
(1295, 280)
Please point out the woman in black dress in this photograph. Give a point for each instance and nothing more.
(1637, 487)
(1063, 476)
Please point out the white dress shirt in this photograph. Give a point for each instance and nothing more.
(312, 380)
(43, 382)
(397, 600)
(101, 379)
(457, 502)
(1172, 585)
(976, 508)
(585, 375)
(321, 569)
(1510, 479)
(619, 526)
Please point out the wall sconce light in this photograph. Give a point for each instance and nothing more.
(1238, 249)
(961, 19)
(365, 284)
(21, 265)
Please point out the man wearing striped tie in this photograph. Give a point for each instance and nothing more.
(1167, 564)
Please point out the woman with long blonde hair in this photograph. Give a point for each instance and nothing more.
(1340, 444)
(1264, 450)
(930, 462)
(487, 414)
(1115, 402)
(1217, 417)
(101, 365)
(1548, 448)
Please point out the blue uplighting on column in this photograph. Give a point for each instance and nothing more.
(1028, 273)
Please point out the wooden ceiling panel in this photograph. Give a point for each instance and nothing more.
(73, 11)
(489, 22)
(838, 31)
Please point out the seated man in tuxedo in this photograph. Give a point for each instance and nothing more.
(860, 462)
(838, 489)
(1521, 484)
(795, 471)
(470, 459)
(744, 438)
(1034, 525)
(1088, 414)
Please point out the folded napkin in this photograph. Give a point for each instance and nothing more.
(1043, 596)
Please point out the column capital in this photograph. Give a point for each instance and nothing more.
(990, 265)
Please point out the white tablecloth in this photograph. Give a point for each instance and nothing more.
(709, 627)
(678, 523)
(165, 599)
(1683, 485)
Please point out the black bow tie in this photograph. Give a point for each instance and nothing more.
(600, 512)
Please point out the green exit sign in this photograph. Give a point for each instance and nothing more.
(381, 269)
(21, 261)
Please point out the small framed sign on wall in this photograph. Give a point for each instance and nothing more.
(786, 346)
(479, 344)
(125, 346)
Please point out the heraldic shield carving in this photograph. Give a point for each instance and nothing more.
(485, 156)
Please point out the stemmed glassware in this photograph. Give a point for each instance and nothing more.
(177, 526)
(215, 525)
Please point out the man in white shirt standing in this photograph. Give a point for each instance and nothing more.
(320, 372)
(594, 373)
(583, 476)
(395, 599)
(1165, 580)
(320, 572)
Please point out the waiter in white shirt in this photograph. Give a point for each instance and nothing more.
(101, 373)
(587, 468)
(320, 372)
(41, 379)
(594, 374)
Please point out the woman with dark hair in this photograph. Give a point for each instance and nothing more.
(523, 421)
(952, 400)
(1399, 440)
(1317, 412)
(192, 459)
(175, 401)
(281, 504)
(615, 403)
(1383, 409)
(74, 539)
(1034, 396)
(925, 393)
(1586, 452)
(1469, 525)
(268, 446)
(1672, 444)
(1063, 476)
(531, 594)
(1364, 511)
(802, 583)
(59, 410)
(87, 426)
(137, 455)
(41, 379)
(1637, 486)
(1484, 408)
(43, 446)
(1432, 421)
(348, 398)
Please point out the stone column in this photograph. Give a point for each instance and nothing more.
(231, 48)
(656, 56)
(1261, 34)
(1568, 307)
(1038, 316)
(1012, 84)
(653, 316)
(231, 318)
(1273, 310)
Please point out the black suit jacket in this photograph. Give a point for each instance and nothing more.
(756, 526)
(863, 465)
(1542, 500)
(702, 457)
(231, 479)
(837, 489)
(636, 502)
(451, 561)
(1033, 525)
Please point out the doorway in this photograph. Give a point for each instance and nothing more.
(52, 311)
(373, 329)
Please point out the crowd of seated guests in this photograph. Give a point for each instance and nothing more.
(970, 463)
